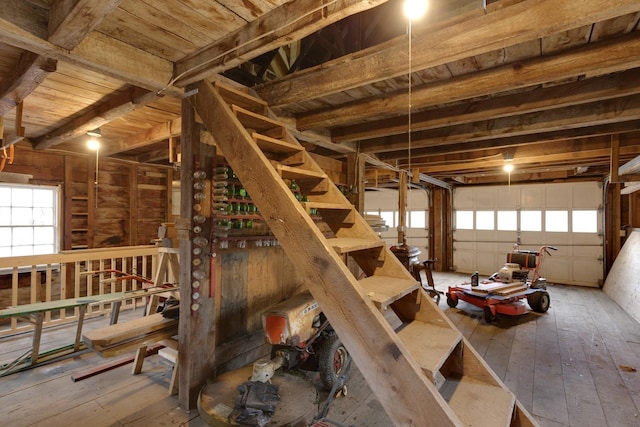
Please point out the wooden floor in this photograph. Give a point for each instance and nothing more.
(573, 366)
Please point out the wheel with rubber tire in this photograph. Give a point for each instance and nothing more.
(539, 301)
(451, 302)
(332, 362)
(488, 315)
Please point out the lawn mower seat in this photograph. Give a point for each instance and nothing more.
(526, 259)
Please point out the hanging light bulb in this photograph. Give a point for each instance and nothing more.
(415, 9)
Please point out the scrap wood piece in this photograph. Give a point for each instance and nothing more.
(123, 332)
(79, 376)
(627, 368)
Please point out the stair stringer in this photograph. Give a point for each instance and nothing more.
(384, 361)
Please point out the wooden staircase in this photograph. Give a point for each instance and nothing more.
(425, 373)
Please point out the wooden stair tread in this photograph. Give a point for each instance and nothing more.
(344, 245)
(478, 403)
(119, 332)
(384, 290)
(241, 98)
(290, 172)
(326, 205)
(273, 145)
(431, 345)
(258, 122)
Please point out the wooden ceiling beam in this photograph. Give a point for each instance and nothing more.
(96, 52)
(148, 137)
(584, 91)
(600, 58)
(106, 110)
(291, 21)
(68, 24)
(578, 134)
(601, 113)
(503, 27)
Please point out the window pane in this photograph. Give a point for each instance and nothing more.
(43, 198)
(418, 219)
(22, 250)
(464, 220)
(531, 220)
(43, 236)
(22, 236)
(584, 221)
(22, 196)
(485, 220)
(42, 249)
(388, 218)
(5, 251)
(43, 216)
(5, 216)
(556, 221)
(507, 220)
(22, 216)
(5, 236)
(5, 196)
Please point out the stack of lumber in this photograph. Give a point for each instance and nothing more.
(124, 337)
(374, 221)
(502, 289)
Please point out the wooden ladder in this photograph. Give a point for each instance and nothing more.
(426, 373)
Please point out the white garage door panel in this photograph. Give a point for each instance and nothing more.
(578, 259)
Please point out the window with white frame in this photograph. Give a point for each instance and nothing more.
(584, 221)
(464, 220)
(28, 220)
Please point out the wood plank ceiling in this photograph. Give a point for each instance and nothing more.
(551, 84)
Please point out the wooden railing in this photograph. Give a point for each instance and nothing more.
(73, 274)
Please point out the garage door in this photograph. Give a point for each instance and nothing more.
(384, 202)
(489, 220)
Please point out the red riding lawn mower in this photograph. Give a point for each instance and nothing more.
(301, 336)
(504, 291)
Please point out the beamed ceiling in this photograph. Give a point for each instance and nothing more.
(552, 84)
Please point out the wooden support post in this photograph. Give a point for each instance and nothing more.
(78, 342)
(141, 352)
(355, 180)
(196, 328)
(37, 334)
(615, 158)
(402, 207)
(616, 222)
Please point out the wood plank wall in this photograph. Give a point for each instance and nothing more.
(132, 199)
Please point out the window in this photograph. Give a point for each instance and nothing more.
(418, 219)
(531, 221)
(485, 220)
(28, 220)
(389, 218)
(584, 221)
(556, 221)
(464, 220)
(507, 220)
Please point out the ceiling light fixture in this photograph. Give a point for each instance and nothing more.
(96, 133)
(415, 9)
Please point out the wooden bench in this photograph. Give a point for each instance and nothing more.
(35, 313)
